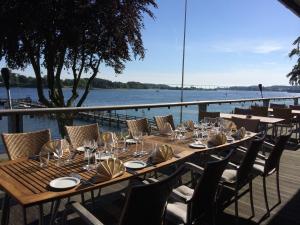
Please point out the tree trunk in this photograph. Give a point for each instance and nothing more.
(63, 120)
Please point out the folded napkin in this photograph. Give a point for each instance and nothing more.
(110, 168)
(162, 154)
(217, 139)
(107, 137)
(229, 125)
(240, 133)
(166, 129)
(189, 125)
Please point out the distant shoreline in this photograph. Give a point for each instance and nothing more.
(21, 81)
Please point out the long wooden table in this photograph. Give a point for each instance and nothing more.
(262, 119)
(295, 112)
(26, 182)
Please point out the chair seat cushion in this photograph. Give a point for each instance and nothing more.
(183, 191)
(177, 212)
(229, 175)
(259, 166)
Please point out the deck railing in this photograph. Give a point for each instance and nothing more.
(16, 122)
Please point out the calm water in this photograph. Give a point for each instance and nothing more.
(132, 96)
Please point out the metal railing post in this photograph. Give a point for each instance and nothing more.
(201, 108)
(15, 123)
(266, 102)
(296, 101)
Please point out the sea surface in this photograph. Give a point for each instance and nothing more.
(100, 97)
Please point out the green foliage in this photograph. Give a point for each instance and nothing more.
(294, 75)
(76, 36)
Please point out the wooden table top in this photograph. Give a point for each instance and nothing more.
(28, 183)
(263, 119)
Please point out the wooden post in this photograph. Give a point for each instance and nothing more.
(266, 102)
(15, 123)
(296, 101)
(201, 108)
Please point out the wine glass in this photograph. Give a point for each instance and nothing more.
(59, 151)
(136, 137)
(124, 135)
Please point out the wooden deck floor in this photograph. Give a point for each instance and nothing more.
(287, 213)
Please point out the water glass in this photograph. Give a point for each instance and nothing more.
(124, 135)
(87, 157)
(44, 159)
(136, 136)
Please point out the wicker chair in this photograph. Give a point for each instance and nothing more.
(236, 177)
(145, 204)
(192, 206)
(209, 115)
(287, 124)
(249, 124)
(78, 134)
(242, 111)
(139, 125)
(266, 166)
(162, 120)
(259, 111)
(281, 106)
(20, 145)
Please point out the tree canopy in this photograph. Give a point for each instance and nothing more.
(294, 75)
(72, 35)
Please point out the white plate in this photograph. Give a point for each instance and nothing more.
(64, 182)
(80, 149)
(130, 141)
(105, 157)
(135, 164)
(197, 145)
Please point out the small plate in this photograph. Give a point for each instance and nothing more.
(135, 164)
(80, 149)
(197, 145)
(105, 157)
(131, 141)
(64, 182)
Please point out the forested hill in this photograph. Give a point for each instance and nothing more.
(18, 80)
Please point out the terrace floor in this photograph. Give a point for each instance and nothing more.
(287, 213)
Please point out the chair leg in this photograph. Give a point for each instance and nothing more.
(24, 216)
(251, 199)
(265, 195)
(278, 188)
(236, 207)
(5, 210)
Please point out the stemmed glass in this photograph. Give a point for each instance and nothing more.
(124, 135)
(59, 151)
(136, 136)
(87, 153)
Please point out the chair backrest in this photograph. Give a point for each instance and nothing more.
(272, 162)
(139, 125)
(283, 113)
(78, 134)
(162, 120)
(242, 111)
(145, 203)
(209, 114)
(259, 111)
(204, 196)
(295, 107)
(249, 124)
(20, 145)
(273, 105)
(246, 165)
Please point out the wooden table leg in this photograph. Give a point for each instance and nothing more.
(55, 210)
(5, 210)
(24, 216)
(41, 219)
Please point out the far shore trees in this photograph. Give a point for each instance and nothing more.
(71, 36)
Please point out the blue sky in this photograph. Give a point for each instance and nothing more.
(232, 42)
